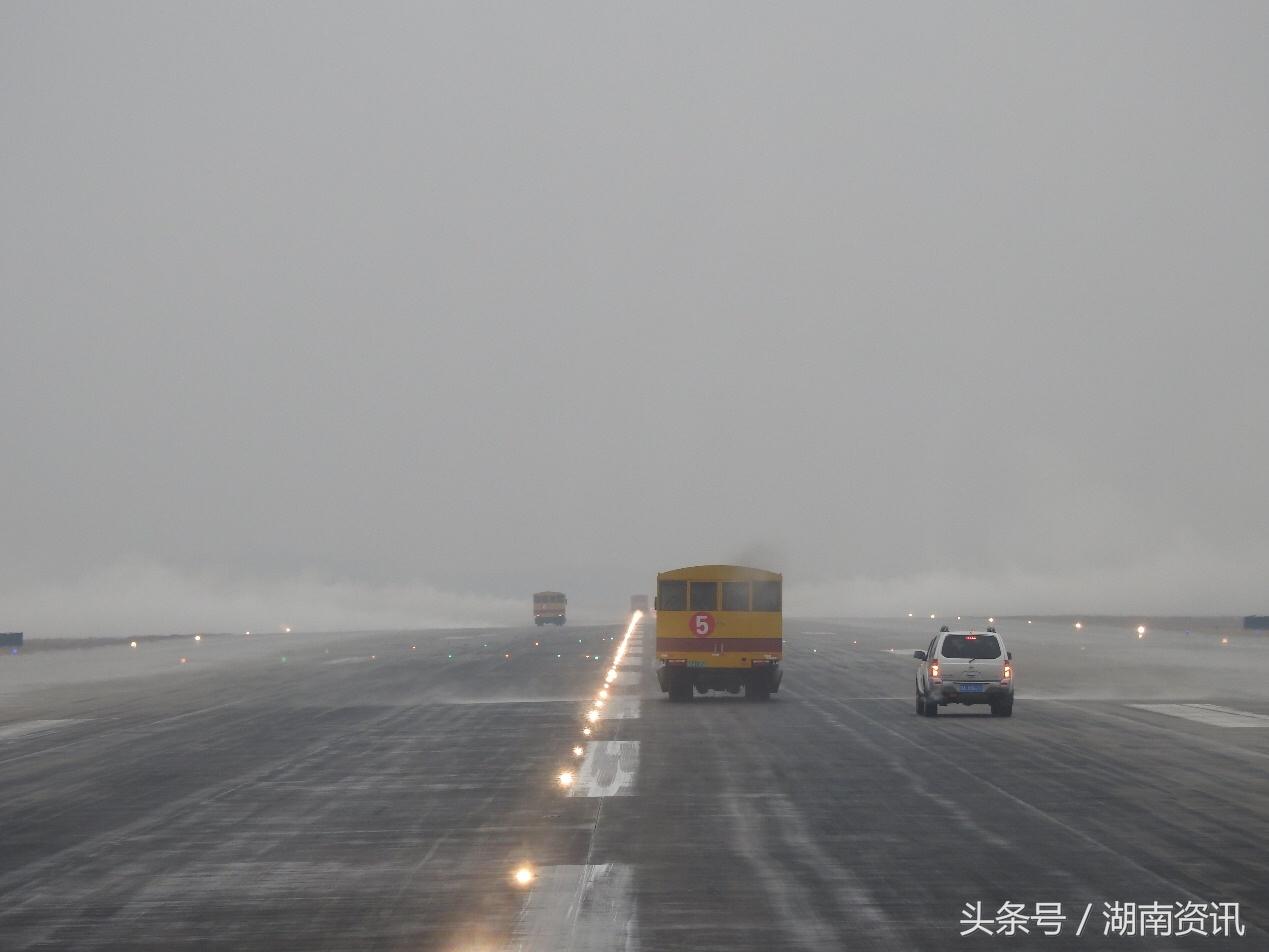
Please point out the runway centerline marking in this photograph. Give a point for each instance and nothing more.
(620, 709)
(578, 909)
(608, 769)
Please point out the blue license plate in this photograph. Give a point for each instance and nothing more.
(971, 688)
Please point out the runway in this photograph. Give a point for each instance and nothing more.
(378, 791)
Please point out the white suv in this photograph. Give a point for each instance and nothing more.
(965, 667)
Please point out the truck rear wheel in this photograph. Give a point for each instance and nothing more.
(680, 686)
(758, 688)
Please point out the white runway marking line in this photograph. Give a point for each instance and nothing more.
(620, 709)
(608, 769)
(1210, 714)
(27, 728)
(514, 700)
(578, 909)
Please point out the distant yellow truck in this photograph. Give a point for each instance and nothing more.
(549, 608)
(719, 628)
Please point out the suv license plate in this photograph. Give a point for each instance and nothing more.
(971, 688)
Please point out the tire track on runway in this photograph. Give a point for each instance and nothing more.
(1173, 889)
(803, 869)
(29, 883)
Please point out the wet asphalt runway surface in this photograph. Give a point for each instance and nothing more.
(378, 792)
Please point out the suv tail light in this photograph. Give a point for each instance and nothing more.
(1007, 675)
(935, 670)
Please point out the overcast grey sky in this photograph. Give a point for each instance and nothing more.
(389, 314)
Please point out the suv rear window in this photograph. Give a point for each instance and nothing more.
(970, 646)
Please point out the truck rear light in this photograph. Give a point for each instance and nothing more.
(935, 671)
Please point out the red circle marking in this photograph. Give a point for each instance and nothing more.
(702, 624)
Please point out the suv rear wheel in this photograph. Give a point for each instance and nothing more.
(1002, 708)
